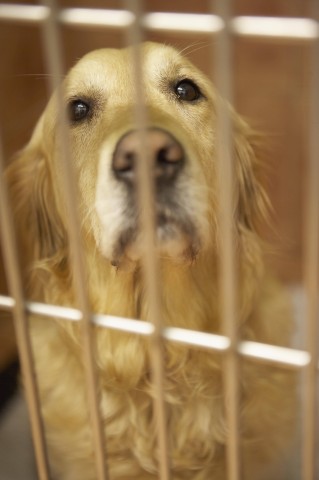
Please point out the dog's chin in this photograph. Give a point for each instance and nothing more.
(173, 242)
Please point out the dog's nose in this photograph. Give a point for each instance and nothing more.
(162, 149)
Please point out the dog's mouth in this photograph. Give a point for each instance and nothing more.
(175, 239)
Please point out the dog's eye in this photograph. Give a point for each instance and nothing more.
(187, 91)
(78, 110)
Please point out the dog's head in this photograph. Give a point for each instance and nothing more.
(106, 148)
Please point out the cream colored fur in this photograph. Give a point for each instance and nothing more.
(194, 383)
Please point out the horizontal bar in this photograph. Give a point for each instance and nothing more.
(245, 26)
(274, 354)
(96, 17)
(286, 357)
(63, 313)
(197, 339)
(138, 327)
(23, 13)
(275, 27)
(7, 303)
(183, 22)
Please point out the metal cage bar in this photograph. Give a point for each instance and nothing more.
(146, 202)
(7, 235)
(311, 268)
(226, 240)
(53, 52)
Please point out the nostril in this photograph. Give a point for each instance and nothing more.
(169, 160)
(123, 163)
(172, 153)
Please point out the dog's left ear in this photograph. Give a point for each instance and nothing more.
(39, 229)
(253, 204)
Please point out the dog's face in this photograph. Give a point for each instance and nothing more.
(179, 144)
(101, 100)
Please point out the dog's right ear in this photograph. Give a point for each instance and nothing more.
(40, 233)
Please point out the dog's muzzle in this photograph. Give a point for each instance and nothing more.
(176, 231)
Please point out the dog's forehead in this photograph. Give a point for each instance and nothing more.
(112, 69)
(98, 69)
(159, 58)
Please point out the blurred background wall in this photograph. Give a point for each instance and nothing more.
(271, 81)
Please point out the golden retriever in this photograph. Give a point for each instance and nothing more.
(181, 109)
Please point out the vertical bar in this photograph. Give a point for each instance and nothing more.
(311, 267)
(53, 52)
(227, 277)
(150, 260)
(10, 254)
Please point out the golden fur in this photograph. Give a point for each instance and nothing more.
(193, 385)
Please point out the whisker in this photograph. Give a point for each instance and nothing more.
(190, 49)
(36, 75)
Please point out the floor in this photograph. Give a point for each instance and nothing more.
(16, 454)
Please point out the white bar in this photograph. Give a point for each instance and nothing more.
(288, 28)
(183, 22)
(247, 26)
(55, 311)
(88, 17)
(274, 354)
(7, 303)
(23, 13)
(194, 338)
(137, 327)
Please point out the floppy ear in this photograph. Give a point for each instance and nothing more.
(40, 232)
(253, 204)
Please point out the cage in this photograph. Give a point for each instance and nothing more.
(263, 58)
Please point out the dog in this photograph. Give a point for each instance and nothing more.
(181, 142)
